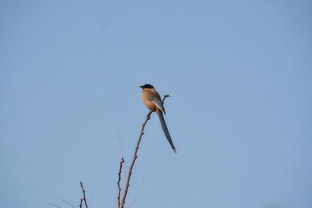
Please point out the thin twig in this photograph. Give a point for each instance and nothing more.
(165, 96)
(83, 199)
(121, 147)
(135, 156)
(136, 197)
(118, 182)
(72, 206)
(54, 205)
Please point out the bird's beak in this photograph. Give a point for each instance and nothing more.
(141, 86)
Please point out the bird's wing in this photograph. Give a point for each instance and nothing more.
(158, 104)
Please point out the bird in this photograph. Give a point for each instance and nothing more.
(152, 101)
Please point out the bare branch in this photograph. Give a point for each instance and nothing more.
(118, 182)
(83, 199)
(135, 156)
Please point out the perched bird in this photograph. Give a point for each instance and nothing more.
(153, 102)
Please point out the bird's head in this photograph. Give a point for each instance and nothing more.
(147, 86)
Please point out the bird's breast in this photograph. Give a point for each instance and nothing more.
(147, 102)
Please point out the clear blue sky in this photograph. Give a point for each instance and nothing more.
(240, 113)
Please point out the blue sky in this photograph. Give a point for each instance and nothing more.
(239, 75)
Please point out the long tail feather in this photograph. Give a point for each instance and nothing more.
(165, 129)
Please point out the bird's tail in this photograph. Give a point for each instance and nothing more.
(165, 129)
